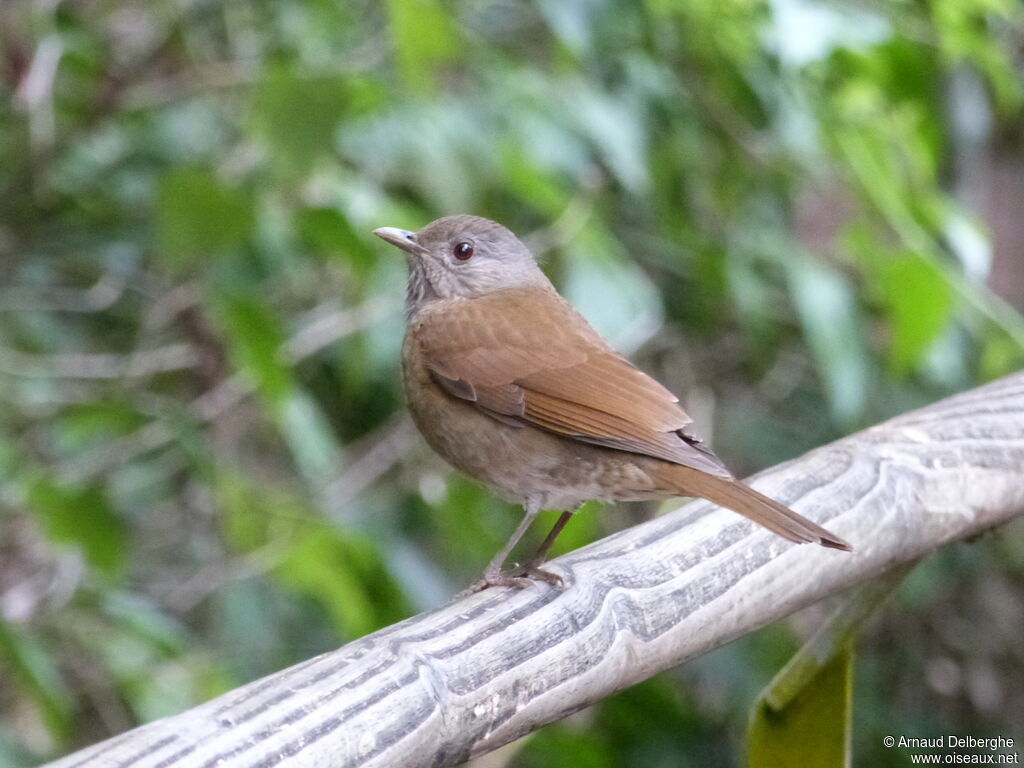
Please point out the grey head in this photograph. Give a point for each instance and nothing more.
(463, 257)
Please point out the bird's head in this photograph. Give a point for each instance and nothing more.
(463, 257)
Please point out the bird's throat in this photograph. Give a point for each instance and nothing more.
(419, 290)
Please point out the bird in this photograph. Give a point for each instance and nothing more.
(511, 385)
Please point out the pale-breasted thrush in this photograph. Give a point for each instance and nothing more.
(510, 384)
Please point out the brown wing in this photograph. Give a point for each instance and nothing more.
(528, 358)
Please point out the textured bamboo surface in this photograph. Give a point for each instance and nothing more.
(456, 682)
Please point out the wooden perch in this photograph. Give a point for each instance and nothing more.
(444, 686)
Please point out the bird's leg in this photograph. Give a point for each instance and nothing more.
(493, 569)
(523, 577)
(542, 551)
(533, 568)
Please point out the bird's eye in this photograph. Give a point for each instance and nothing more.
(463, 251)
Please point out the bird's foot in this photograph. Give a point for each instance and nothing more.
(535, 573)
(519, 578)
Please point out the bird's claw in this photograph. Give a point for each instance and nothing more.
(518, 578)
(531, 573)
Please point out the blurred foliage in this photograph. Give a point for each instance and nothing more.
(814, 729)
(796, 207)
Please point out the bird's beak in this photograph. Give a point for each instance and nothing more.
(403, 239)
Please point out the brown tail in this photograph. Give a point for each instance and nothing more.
(741, 498)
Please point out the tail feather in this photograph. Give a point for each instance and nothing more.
(741, 498)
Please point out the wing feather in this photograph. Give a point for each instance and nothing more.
(527, 357)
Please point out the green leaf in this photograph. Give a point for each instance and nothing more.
(296, 115)
(754, 303)
(828, 314)
(815, 726)
(610, 290)
(244, 520)
(247, 617)
(89, 425)
(1000, 356)
(136, 615)
(918, 300)
(916, 293)
(426, 41)
(614, 124)
(197, 217)
(83, 517)
(344, 574)
(138, 646)
(328, 231)
(36, 672)
(532, 185)
(255, 340)
(966, 30)
(309, 437)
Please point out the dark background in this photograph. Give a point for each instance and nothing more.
(802, 216)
